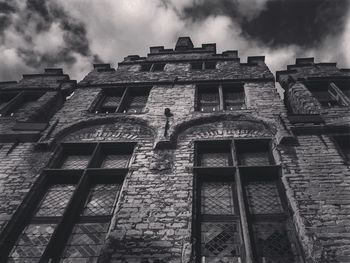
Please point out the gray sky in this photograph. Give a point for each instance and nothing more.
(73, 34)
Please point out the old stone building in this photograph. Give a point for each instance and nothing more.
(185, 155)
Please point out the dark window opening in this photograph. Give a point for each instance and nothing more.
(253, 152)
(123, 100)
(70, 220)
(343, 144)
(210, 65)
(146, 67)
(233, 97)
(201, 65)
(12, 103)
(321, 91)
(214, 154)
(196, 65)
(152, 67)
(158, 66)
(208, 99)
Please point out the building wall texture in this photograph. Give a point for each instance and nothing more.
(153, 216)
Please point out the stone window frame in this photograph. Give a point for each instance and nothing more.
(221, 89)
(342, 144)
(126, 94)
(336, 95)
(203, 65)
(239, 176)
(16, 101)
(83, 179)
(152, 67)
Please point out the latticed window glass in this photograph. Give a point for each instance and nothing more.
(111, 101)
(115, 161)
(55, 200)
(273, 244)
(258, 158)
(233, 100)
(32, 242)
(215, 159)
(101, 199)
(208, 100)
(76, 162)
(220, 241)
(137, 103)
(263, 198)
(85, 243)
(216, 198)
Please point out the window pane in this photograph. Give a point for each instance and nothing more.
(214, 159)
(196, 65)
(253, 158)
(115, 161)
(220, 241)
(101, 199)
(6, 98)
(146, 67)
(111, 101)
(233, 100)
(217, 198)
(210, 65)
(158, 67)
(85, 242)
(55, 200)
(32, 242)
(263, 198)
(137, 102)
(76, 162)
(272, 243)
(208, 100)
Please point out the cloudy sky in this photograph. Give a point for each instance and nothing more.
(72, 34)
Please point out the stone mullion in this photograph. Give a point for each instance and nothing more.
(221, 98)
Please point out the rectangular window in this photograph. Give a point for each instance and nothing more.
(71, 218)
(344, 86)
(152, 67)
(239, 209)
(219, 97)
(233, 97)
(321, 91)
(253, 152)
(201, 65)
(123, 100)
(208, 99)
(12, 103)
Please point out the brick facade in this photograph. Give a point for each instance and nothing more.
(154, 217)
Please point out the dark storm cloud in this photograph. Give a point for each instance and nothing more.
(35, 19)
(278, 22)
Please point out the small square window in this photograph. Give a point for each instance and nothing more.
(253, 153)
(111, 99)
(214, 154)
(136, 100)
(210, 65)
(158, 66)
(146, 67)
(321, 92)
(196, 65)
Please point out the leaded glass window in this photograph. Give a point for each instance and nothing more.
(55, 200)
(69, 221)
(208, 100)
(76, 162)
(31, 243)
(217, 198)
(233, 98)
(101, 199)
(253, 152)
(254, 158)
(214, 159)
(263, 198)
(220, 241)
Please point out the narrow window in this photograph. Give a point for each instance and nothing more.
(208, 98)
(111, 100)
(210, 65)
(233, 97)
(13, 103)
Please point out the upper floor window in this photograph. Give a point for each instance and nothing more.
(239, 207)
(124, 100)
(69, 216)
(330, 93)
(201, 65)
(13, 102)
(212, 98)
(152, 67)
